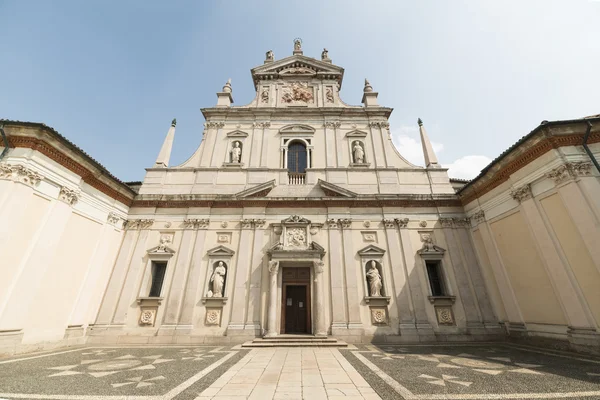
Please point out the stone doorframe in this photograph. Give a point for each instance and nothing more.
(318, 310)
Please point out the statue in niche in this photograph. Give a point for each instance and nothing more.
(329, 95)
(358, 152)
(236, 152)
(270, 56)
(374, 280)
(264, 96)
(217, 280)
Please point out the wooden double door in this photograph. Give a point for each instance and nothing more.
(295, 306)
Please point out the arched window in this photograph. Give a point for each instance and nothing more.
(297, 158)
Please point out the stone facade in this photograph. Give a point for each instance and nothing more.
(297, 180)
(297, 214)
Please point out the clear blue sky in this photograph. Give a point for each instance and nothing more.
(110, 75)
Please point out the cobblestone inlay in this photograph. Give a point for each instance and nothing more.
(149, 373)
(475, 371)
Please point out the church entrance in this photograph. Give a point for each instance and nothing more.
(295, 305)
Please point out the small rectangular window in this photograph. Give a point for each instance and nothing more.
(158, 275)
(435, 278)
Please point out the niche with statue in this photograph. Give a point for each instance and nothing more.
(219, 261)
(235, 153)
(374, 280)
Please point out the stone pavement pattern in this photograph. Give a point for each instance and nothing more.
(445, 371)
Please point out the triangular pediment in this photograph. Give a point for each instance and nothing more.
(237, 133)
(297, 129)
(297, 66)
(164, 250)
(261, 190)
(371, 251)
(220, 251)
(356, 133)
(332, 190)
(295, 219)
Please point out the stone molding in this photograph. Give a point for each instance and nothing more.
(273, 267)
(69, 196)
(400, 222)
(261, 124)
(344, 223)
(139, 223)
(478, 217)
(454, 222)
(20, 173)
(522, 193)
(569, 171)
(332, 124)
(115, 220)
(380, 124)
(195, 223)
(214, 124)
(250, 223)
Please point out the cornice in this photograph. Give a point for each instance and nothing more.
(88, 176)
(504, 168)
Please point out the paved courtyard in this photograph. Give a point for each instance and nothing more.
(450, 371)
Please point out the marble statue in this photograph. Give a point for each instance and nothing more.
(270, 56)
(217, 280)
(297, 44)
(374, 279)
(236, 153)
(324, 54)
(359, 153)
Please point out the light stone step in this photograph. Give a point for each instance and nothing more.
(337, 343)
(283, 340)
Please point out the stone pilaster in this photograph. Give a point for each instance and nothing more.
(195, 285)
(242, 269)
(319, 307)
(174, 295)
(272, 312)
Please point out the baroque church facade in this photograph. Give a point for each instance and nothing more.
(297, 215)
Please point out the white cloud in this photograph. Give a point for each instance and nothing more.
(467, 167)
(408, 143)
(409, 147)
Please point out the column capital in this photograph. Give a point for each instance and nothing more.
(569, 171)
(192, 223)
(478, 217)
(319, 266)
(139, 223)
(69, 196)
(273, 267)
(391, 223)
(20, 173)
(522, 193)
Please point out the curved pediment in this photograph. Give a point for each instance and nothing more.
(297, 129)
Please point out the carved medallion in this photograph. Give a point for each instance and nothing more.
(147, 317)
(213, 317)
(378, 316)
(295, 237)
(444, 315)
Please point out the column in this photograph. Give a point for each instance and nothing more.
(398, 268)
(33, 267)
(336, 265)
(319, 307)
(352, 288)
(176, 290)
(569, 294)
(256, 267)
(414, 280)
(330, 150)
(238, 305)
(465, 292)
(272, 315)
(566, 178)
(264, 153)
(195, 285)
(506, 292)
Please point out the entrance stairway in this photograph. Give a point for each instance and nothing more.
(295, 341)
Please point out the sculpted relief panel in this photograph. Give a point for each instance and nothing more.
(297, 93)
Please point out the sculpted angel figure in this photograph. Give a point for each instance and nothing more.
(236, 153)
(359, 153)
(217, 280)
(374, 279)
